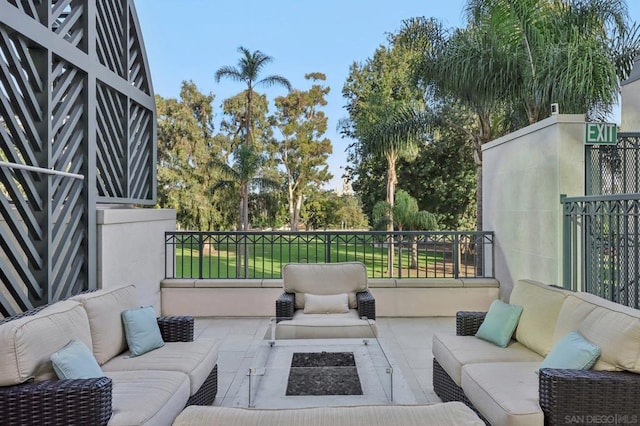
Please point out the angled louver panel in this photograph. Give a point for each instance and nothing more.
(84, 107)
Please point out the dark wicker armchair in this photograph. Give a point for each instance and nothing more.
(85, 401)
(566, 396)
(285, 305)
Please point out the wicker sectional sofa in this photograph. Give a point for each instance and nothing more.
(505, 385)
(150, 389)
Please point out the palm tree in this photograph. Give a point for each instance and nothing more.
(249, 67)
(406, 216)
(384, 117)
(241, 174)
(517, 57)
(247, 71)
(399, 135)
(573, 53)
(482, 83)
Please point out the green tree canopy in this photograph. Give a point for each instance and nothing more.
(304, 151)
(185, 145)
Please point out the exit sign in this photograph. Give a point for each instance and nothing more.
(601, 134)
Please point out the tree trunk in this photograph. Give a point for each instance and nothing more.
(391, 188)
(293, 224)
(238, 243)
(249, 123)
(414, 252)
(296, 211)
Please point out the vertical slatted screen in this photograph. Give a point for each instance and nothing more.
(76, 97)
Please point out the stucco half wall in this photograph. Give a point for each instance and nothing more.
(131, 249)
(394, 298)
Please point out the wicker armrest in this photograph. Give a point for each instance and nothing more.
(366, 305)
(285, 305)
(57, 402)
(468, 323)
(176, 329)
(566, 396)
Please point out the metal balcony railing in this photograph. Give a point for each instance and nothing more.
(401, 254)
(601, 246)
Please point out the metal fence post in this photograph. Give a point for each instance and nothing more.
(566, 243)
(455, 254)
(200, 256)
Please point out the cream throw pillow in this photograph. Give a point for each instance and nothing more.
(330, 304)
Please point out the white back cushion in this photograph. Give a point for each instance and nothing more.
(324, 279)
(614, 328)
(26, 344)
(104, 308)
(541, 305)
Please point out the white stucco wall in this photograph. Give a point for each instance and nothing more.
(630, 107)
(523, 175)
(131, 249)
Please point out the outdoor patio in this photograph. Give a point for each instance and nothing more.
(407, 339)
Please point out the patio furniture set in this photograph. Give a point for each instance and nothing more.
(543, 375)
(116, 388)
(501, 380)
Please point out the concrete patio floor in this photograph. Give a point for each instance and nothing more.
(408, 340)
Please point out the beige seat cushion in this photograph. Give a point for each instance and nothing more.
(541, 305)
(26, 344)
(196, 359)
(147, 397)
(324, 279)
(450, 413)
(326, 326)
(505, 393)
(614, 328)
(453, 352)
(104, 308)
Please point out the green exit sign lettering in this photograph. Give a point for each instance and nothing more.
(601, 134)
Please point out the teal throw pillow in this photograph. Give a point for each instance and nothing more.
(573, 352)
(141, 330)
(499, 323)
(75, 361)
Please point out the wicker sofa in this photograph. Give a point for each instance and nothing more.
(150, 389)
(324, 284)
(505, 385)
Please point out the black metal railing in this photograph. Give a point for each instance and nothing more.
(242, 255)
(601, 246)
(613, 169)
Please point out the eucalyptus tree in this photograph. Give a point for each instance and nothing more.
(186, 144)
(248, 71)
(304, 151)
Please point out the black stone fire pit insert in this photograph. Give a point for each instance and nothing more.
(323, 373)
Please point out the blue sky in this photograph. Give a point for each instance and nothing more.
(191, 39)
